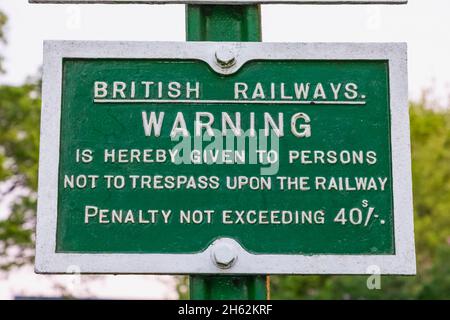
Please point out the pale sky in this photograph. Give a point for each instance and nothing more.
(25, 283)
(423, 24)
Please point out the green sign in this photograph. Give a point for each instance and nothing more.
(226, 158)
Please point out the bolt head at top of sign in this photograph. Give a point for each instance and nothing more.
(224, 1)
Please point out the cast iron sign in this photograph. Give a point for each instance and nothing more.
(225, 158)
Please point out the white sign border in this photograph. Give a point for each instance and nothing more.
(49, 261)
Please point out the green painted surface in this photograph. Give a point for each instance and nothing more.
(228, 287)
(99, 126)
(223, 23)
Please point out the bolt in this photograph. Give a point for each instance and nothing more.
(224, 256)
(225, 57)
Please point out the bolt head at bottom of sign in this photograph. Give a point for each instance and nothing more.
(224, 255)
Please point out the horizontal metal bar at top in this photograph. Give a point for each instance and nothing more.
(223, 2)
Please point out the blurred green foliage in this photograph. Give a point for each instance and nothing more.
(19, 143)
(3, 20)
(430, 131)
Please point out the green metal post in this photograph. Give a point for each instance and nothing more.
(228, 287)
(225, 23)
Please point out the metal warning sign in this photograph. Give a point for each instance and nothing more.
(225, 158)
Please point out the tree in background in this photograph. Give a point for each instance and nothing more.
(19, 143)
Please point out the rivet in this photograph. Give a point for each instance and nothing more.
(224, 255)
(225, 57)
